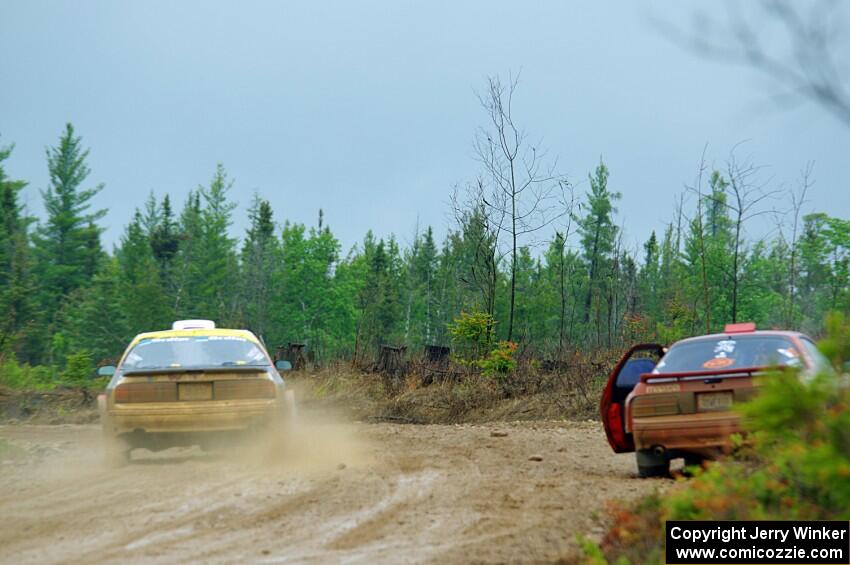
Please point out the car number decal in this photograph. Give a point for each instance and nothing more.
(724, 347)
(718, 363)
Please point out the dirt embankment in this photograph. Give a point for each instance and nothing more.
(470, 399)
(57, 406)
(508, 492)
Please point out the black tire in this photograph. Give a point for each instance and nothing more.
(651, 465)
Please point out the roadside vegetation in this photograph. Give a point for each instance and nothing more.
(531, 294)
(539, 256)
(795, 465)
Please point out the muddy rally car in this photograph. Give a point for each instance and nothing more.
(192, 385)
(673, 403)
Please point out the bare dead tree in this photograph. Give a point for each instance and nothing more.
(799, 46)
(524, 184)
(679, 201)
(798, 200)
(747, 193)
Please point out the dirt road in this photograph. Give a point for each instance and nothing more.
(358, 493)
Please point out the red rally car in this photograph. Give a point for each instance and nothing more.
(664, 404)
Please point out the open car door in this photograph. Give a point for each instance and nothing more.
(638, 360)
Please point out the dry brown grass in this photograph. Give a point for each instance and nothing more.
(569, 389)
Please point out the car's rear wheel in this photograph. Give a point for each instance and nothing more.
(650, 464)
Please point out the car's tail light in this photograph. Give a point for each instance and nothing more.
(649, 405)
(615, 423)
(239, 389)
(145, 392)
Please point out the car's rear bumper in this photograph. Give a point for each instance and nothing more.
(202, 416)
(700, 432)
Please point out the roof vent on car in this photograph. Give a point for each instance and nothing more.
(193, 325)
(742, 328)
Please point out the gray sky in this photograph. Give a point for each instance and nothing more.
(368, 111)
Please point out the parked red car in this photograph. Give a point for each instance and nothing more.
(673, 403)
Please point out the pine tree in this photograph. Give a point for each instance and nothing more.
(67, 245)
(164, 236)
(421, 315)
(144, 301)
(207, 266)
(380, 299)
(67, 248)
(649, 278)
(598, 238)
(93, 319)
(478, 261)
(188, 258)
(260, 255)
(15, 279)
(218, 265)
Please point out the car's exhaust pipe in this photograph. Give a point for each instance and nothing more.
(659, 451)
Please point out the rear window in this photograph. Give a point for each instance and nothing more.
(194, 352)
(729, 352)
(821, 363)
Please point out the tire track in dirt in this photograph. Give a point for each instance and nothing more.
(357, 493)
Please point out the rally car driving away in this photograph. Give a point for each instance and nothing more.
(192, 385)
(673, 403)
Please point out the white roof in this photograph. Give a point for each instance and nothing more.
(193, 325)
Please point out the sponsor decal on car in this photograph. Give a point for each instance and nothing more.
(718, 363)
(654, 389)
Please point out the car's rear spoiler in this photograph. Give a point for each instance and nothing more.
(168, 370)
(711, 373)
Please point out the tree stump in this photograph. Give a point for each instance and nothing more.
(392, 366)
(437, 356)
(436, 363)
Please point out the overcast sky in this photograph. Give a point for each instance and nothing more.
(367, 109)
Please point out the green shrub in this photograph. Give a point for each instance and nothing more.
(79, 368)
(499, 361)
(472, 333)
(24, 377)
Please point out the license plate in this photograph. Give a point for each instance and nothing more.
(194, 391)
(709, 401)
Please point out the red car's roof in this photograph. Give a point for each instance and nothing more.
(733, 335)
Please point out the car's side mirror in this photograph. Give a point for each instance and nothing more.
(106, 371)
(282, 365)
